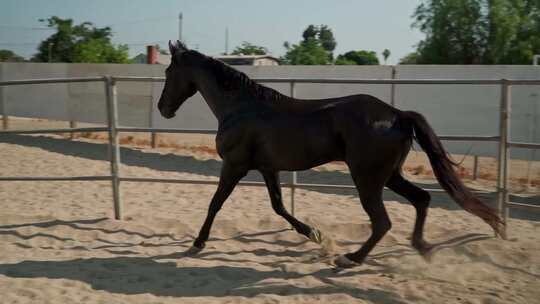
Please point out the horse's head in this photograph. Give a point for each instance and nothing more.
(179, 84)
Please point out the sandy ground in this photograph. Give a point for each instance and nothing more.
(60, 244)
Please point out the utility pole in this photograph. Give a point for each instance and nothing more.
(226, 41)
(180, 27)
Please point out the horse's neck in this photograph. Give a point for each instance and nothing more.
(220, 102)
(224, 104)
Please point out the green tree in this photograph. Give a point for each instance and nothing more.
(327, 39)
(386, 54)
(310, 32)
(478, 31)
(96, 51)
(247, 48)
(308, 52)
(411, 58)
(358, 58)
(454, 30)
(328, 42)
(79, 43)
(514, 31)
(315, 49)
(9, 56)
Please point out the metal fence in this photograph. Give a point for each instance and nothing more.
(110, 85)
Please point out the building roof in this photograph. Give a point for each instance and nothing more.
(230, 59)
(244, 59)
(161, 59)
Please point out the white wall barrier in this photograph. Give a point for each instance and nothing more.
(468, 109)
(111, 108)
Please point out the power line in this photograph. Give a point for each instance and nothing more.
(128, 43)
(19, 43)
(152, 19)
(28, 28)
(145, 43)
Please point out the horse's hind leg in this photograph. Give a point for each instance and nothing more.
(370, 191)
(274, 190)
(420, 200)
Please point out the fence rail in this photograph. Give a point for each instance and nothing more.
(110, 84)
(54, 131)
(52, 80)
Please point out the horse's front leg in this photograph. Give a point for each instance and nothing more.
(274, 190)
(230, 176)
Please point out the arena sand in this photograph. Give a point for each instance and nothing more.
(60, 243)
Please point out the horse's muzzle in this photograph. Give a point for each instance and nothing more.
(166, 112)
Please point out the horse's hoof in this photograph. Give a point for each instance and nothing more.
(193, 250)
(344, 262)
(427, 254)
(315, 235)
(424, 249)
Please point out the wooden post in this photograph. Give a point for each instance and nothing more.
(72, 125)
(153, 139)
(114, 147)
(475, 167)
(5, 117)
(393, 88)
(504, 132)
(5, 122)
(151, 58)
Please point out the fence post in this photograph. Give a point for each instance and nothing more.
(475, 167)
(153, 139)
(393, 88)
(153, 135)
(5, 122)
(72, 125)
(504, 132)
(294, 174)
(114, 147)
(5, 118)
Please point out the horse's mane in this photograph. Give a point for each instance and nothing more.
(234, 81)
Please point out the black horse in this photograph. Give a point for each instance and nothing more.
(261, 129)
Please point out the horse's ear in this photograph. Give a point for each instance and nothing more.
(181, 46)
(172, 48)
(177, 47)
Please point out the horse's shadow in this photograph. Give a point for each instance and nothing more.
(163, 275)
(137, 275)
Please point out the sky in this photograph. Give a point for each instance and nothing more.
(357, 24)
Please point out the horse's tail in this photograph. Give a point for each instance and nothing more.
(445, 174)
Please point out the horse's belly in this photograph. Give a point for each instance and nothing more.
(297, 146)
